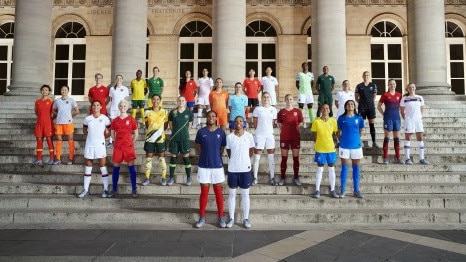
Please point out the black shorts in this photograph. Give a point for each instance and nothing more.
(368, 113)
(253, 102)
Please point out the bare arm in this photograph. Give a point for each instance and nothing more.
(135, 135)
(379, 108)
(75, 111)
(402, 111)
(229, 153)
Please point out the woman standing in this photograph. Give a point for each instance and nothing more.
(237, 104)
(341, 97)
(188, 90)
(218, 99)
(205, 85)
(118, 92)
(44, 124)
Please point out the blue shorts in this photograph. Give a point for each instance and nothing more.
(325, 158)
(232, 124)
(190, 104)
(392, 125)
(242, 180)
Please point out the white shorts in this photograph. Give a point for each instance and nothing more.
(413, 126)
(210, 175)
(203, 101)
(267, 142)
(305, 99)
(95, 152)
(114, 114)
(350, 153)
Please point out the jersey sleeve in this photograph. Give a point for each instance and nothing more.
(279, 117)
(300, 116)
(335, 126)
(274, 113)
(107, 122)
(229, 102)
(170, 116)
(251, 141)
(340, 121)
(297, 76)
(134, 124)
(314, 126)
(383, 98)
(198, 139)
(224, 139)
(361, 123)
(228, 141)
(85, 122)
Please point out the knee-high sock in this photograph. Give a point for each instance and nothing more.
(132, 177)
(320, 170)
(407, 150)
(386, 140)
(141, 110)
(331, 177)
(187, 166)
(110, 139)
(396, 145)
(296, 167)
(87, 177)
(245, 202)
(420, 145)
(271, 159)
(356, 178)
(203, 198)
(283, 167)
(199, 115)
(148, 166)
(163, 166)
(311, 115)
(246, 112)
(232, 202)
(115, 177)
(58, 151)
(257, 158)
(104, 172)
(219, 199)
(372, 131)
(172, 166)
(133, 112)
(343, 175)
(39, 148)
(50, 145)
(71, 146)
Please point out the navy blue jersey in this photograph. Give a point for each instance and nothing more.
(211, 142)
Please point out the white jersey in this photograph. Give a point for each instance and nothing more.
(96, 130)
(342, 97)
(412, 105)
(268, 84)
(239, 160)
(265, 117)
(64, 108)
(205, 85)
(117, 94)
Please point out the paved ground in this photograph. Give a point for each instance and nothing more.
(231, 245)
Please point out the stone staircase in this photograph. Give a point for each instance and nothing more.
(396, 196)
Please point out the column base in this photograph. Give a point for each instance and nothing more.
(23, 90)
(433, 89)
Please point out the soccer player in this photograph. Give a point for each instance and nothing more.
(240, 147)
(96, 128)
(350, 128)
(264, 117)
(324, 129)
(155, 85)
(412, 108)
(270, 85)
(118, 92)
(124, 130)
(391, 120)
(237, 104)
(304, 83)
(341, 97)
(99, 92)
(205, 85)
(251, 87)
(156, 121)
(64, 109)
(179, 121)
(211, 141)
(365, 94)
(325, 86)
(139, 91)
(44, 124)
(289, 120)
(188, 90)
(218, 100)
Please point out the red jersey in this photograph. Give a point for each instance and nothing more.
(124, 129)
(252, 87)
(189, 90)
(99, 93)
(289, 121)
(44, 123)
(219, 101)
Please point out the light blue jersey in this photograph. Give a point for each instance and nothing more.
(237, 104)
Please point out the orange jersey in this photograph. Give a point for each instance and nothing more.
(44, 124)
(219, 101)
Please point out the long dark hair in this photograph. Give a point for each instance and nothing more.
(355, 111)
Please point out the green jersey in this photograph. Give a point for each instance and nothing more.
(155, 86)
(325, 84)
(180, 124)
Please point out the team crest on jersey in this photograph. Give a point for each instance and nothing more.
(356, 121)
(67, 102)
(218, 135)
(185, 116)
(100, 120)
(295, 113)
(121, 90)
(127, 122)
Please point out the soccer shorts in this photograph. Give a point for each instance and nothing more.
(138, 103)
(210, 175)
(95, 152)
(413, 126)
(203, 101)
(123, 154)
(64, 129)
(242, 180)
(180, 147)
(350, 153)
(290, 144)
(154, 147)
(222, 119)
(253, 102)
(44, 129)
(325, 158)
(190, 104)
(305, 99)
(264, 142)
(392, 125)
(368, 113)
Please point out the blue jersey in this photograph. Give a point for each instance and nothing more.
(349, 127)
(392, 105)
(237, 103)
(211, 142)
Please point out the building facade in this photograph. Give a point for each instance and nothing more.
(67, 41)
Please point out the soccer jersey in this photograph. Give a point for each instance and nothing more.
(124, 128)
(155, 86)
(366, 95)
(137, 89)
(265, 117)
(117, 94)
(237, 103)
(211, 142)
(239, 147)
(252, 87)
(205, 85)
(64, 107)
(180, 120)
(43, 109)
(189, 90)
(219, 101)
(412, 105)
(96, 130)
(325, 131)
(349, 127)
(156, 120)
(325, 84)
(342, 97)
(99, 93)
(392, 105)
(289, 120)
(304, 80)
(268, 84)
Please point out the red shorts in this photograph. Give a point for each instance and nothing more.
(123, 154)
(44, 129)
(293, 144)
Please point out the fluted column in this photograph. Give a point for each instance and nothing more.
(329, 38)
(32, 47)
(426, 45)
(229, 40)
(129, 38)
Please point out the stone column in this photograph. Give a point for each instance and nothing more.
(426, 46)
(129, 38)
(229, 41)
(32, 47)
(329, 38)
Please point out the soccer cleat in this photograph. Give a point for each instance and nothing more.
(84, 194)
(164, 181)
(109, 144)
(399, 161)
(112, 194)
(246, 224)
(145, 182)
(358, 194)
(254, 182)
(105, 194)
(50, 162)
(385, 161)
(296, 182)
(333, 194)
(171, 181)
(134, 194)
(272, 182)
(230, 223)
(424, 162)
(188, 181)
(69, 162)
(200, 222)
(317, 194)
(374, 145)
(221, 222)
(281, 182)
(57, 162)
(409, 161)
(342, 194)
